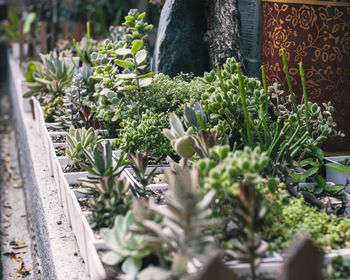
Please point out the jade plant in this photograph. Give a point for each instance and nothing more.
(226, 170)
(121, 70)
(79, 139)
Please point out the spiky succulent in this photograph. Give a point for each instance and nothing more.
(139, 164)
(77, 139)
(114, 199)
(185, 227)
(101, 165)
(250, 212)
(52, 78)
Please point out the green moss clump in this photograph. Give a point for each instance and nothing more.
(285, 220)
(169, 95)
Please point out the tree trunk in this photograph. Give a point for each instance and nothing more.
(223, 30)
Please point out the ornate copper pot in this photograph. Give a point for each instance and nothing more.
(318, 34)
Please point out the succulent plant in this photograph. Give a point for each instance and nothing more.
(100, 166)
(121, 69)
(51, 78)
(51, 109)
(195, 117)
(185, 227)
(204, 142)
(76, 109)
(80, 138)
(196, 140)
(139, 163)
(250, 212)
(225, 171)
(85, 47)
(114, 199)
(145, 135)
(126, 247)
(180, 139)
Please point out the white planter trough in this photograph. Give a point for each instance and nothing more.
(26, 101)
(337, 178)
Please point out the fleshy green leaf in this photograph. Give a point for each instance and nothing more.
(123, 51)
(137, 45)
(131, 265)
(320, 181)
(339, 168)
(335, 188)
(126, 76)
(148, 75)
(13, 18)
(112, 258)
(309, 173)
(28, 22)
(141, 56)
(124, 63)
(145, 82)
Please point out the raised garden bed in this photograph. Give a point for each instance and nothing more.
(234, 165)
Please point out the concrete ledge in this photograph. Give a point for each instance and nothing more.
(57, 247)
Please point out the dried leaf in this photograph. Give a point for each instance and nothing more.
(23, 251)
(22, 270)
(17, 242)
(9, 214)
(15, 275)
(19, 246)
(14, 258)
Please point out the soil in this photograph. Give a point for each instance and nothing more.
(158, 197)
(83, 199)
(60, 151)
(55, 129)
(71, 168)
(159, 178)
(58, 138)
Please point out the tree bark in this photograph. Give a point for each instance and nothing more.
(223, 30)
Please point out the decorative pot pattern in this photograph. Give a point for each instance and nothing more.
(318, 34)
